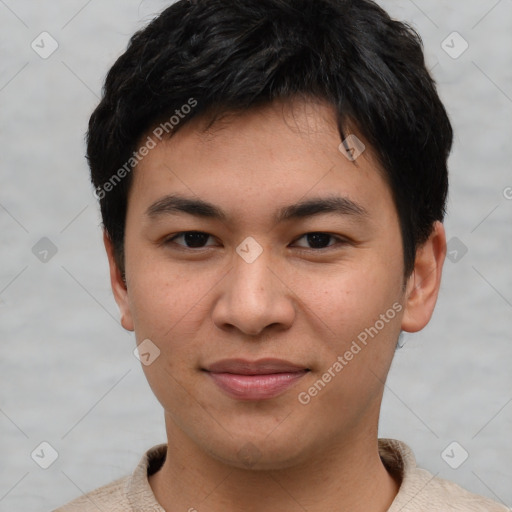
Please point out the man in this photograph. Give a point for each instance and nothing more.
(272, 179)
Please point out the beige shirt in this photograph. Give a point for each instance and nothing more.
(420, 491)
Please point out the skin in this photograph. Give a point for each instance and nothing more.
(296, 301)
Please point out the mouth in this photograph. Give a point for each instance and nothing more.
(255, 380)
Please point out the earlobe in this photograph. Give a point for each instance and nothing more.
(118, 285)
(424, 283)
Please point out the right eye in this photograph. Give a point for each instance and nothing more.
(191, 239)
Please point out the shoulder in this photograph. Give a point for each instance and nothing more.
(132, 492)
(110, 497)
(422, 491)
(440, 494)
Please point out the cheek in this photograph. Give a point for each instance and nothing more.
(170, 306)
(360, 312)
(350, 305)
(159, 293)
(162, 303)
(165, 307)
(351, 297)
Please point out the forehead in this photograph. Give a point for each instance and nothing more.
(285, 150)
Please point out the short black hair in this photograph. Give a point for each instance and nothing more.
(223, 56)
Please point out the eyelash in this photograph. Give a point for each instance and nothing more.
(342, 241)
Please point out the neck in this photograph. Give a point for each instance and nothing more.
(350, 473)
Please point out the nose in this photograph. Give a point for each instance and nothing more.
(254, 297)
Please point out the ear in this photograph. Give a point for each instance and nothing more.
(423, 284)
(118, 285)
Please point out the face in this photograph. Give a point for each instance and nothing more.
(266, 270)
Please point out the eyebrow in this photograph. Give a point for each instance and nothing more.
(175, 204)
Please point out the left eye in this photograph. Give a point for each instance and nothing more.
(318, 240)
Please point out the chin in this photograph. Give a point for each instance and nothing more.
(260, 453)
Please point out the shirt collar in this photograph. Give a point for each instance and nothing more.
(396, 456)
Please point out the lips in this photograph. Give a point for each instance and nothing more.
(255, 380)
(260, 367)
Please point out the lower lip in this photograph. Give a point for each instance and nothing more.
(255, 387)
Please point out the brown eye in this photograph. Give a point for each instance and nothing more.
(318, 240)
(191, 239)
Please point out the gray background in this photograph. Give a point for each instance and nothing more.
(68, 373)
